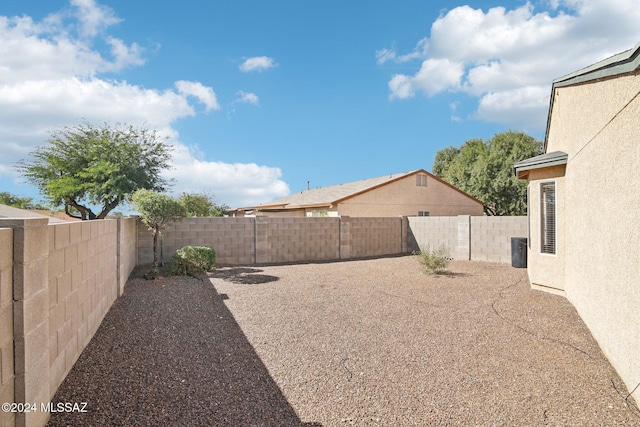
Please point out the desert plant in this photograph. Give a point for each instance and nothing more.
(157, 211)
(192, 260)
(434, 261)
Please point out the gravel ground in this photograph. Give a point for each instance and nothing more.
(373, 342)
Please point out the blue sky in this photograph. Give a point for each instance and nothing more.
(260, 97)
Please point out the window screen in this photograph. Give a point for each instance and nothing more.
(548, 217)
(421, 180)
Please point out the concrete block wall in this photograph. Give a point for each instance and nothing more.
(83, 284)
(57, 282)
(30, 316)
(376, 236)
(476, 238)
(6, 324)
(232, 238)
(433, 232)
(290, 239)
(127, 235)
(264, 240)
(491, 236)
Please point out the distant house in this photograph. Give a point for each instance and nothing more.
(16, 213)
(584, 204)
(416, 193)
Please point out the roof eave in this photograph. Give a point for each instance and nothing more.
(622, 63)
(556, 158)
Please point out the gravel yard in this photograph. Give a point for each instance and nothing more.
(372, 342)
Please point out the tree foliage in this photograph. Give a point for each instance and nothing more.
(200, 204)
(9, 199)
(101, 166)
(157, 211)
(484, 169)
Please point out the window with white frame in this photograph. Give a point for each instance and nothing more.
(548, 218)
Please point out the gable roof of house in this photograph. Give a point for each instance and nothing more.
(16, 213)
(616, 65)
(621, 63)
(334, 194)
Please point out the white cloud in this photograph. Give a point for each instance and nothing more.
(93, 18)
(202, 93)
(257, 63)
(50, 78)
(523, 108)
(238, 184)
(435, 75)
(247, 98)
(384, 55)
(508, 58)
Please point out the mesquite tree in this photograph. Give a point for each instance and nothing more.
(157, 211)
(102, 166)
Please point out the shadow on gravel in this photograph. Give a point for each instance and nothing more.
(169, 352)
(242, 275)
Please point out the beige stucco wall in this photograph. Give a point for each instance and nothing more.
(547, 271)
(404, 198)
(597, 125)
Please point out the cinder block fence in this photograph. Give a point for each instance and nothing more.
(58, 281)
(264, 240)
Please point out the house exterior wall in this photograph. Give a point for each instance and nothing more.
(404, 198)
(546, 272)
(597, 125)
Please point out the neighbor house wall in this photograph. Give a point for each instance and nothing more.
(597, 125)
(404, 198)
(6, 324)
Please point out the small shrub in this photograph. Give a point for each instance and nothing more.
(434, 261)
(191, 260)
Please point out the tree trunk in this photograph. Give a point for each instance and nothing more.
(154, 266)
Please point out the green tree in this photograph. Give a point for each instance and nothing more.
(9, 199)
(157, 211)
(200, 204)
(101, 166)
(484, 169)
